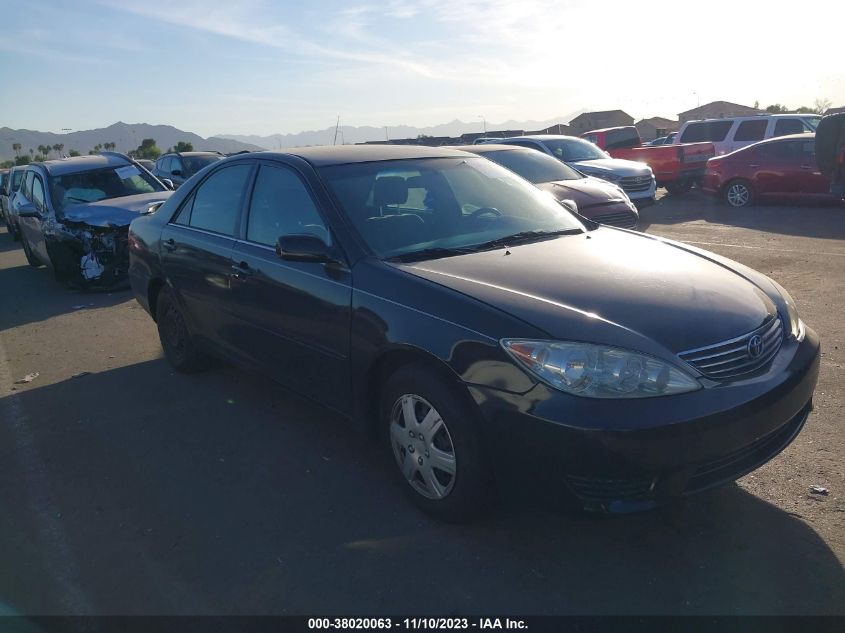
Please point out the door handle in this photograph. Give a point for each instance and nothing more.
(806, 167)
(241, 270)
(169, 244)
(754, 166)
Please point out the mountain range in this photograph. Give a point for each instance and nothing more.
(352, 134)
(125, 136)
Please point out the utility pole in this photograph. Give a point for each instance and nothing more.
(484, 121)
(336, 128)
(386, 136)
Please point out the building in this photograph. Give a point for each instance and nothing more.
(655, 127)
(597, 120)
(559, 128)
(717, 110)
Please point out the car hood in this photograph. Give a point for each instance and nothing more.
(113, 212)
(614, 165)
(584, 191)
(609, 286)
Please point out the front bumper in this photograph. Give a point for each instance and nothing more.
(624, 455)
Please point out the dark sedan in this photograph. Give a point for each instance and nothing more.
(597, 199)
(482, 328)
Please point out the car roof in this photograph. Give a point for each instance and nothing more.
(327, 155)
(59, 166)
(491, 147)
(205, 153)
(545, 137)
(755, 116)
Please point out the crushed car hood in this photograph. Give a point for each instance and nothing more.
(113, 212)
(609, 285)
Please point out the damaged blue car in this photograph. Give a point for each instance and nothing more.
(74, 216)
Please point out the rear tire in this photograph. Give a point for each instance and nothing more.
(434, 444)
(738, 194)
(176, 340)
(679, 188)
(30, 258)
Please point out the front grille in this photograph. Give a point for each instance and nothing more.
(734, 357)
(635, 183)
(624, 219)
(744, 460)
(610, 489)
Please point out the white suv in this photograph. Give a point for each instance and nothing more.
(732, 133)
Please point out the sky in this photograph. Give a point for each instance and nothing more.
(264, 66)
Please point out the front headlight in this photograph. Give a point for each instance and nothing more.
(796, 325)
(598, 371)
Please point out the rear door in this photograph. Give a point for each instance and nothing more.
(749, 131)
(776, 166)
(197, 250)
(810, 180)
(294, 316)
(31, 228)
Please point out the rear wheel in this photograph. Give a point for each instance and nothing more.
(179, 347)
(738, 194)
(435, 444)
(679, 188)
(30, 258)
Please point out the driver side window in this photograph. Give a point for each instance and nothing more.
(282, 205)
(38, 195)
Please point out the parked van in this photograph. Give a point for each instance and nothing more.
(732, 133)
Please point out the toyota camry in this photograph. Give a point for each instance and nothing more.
(477, 325)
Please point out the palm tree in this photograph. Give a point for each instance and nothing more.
(31, 152)
(43, 149)
(17, 148)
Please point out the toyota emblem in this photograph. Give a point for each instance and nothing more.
(755, 346)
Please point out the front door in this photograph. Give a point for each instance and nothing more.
(294, 316)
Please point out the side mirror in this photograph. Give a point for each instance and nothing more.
(28, 210)
(168, 183)
(302, 247)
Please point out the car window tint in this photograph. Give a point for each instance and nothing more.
(751, 130)
(780, 151)
(620, 139)
(218, 200)
(788, 126)
(281, 205)
(713, 131)
(38, 194)
(808, 153)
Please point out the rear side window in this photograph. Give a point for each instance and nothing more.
(621, 139)
(780, 151)
(789, 126)
(281, 205)
(215, 204)
(751, 130)
(713, 131)
(26, 187)
(16, 180)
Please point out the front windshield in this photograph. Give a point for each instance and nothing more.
(405, 207)
(194, 163)
(534, 166)
(101, 184)
(574, 149)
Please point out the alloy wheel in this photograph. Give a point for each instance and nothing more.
(422, 446)
(738, 194)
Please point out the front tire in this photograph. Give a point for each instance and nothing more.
(435, 445)
(177, 342)
(738, 194)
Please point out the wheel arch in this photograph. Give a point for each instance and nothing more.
(153, 291)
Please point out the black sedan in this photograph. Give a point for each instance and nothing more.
(477, 324)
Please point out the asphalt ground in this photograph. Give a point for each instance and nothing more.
(130, 489)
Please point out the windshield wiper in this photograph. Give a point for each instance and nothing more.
(524, 236)
(430, 253)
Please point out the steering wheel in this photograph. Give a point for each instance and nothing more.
(481, 211)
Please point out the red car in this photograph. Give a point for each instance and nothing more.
(782, 167)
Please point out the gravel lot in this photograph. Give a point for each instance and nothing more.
(132, 490)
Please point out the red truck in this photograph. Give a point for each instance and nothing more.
(675, 167)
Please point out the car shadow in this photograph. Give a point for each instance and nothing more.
(805, 220)
(223, 493)
(19, 307)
